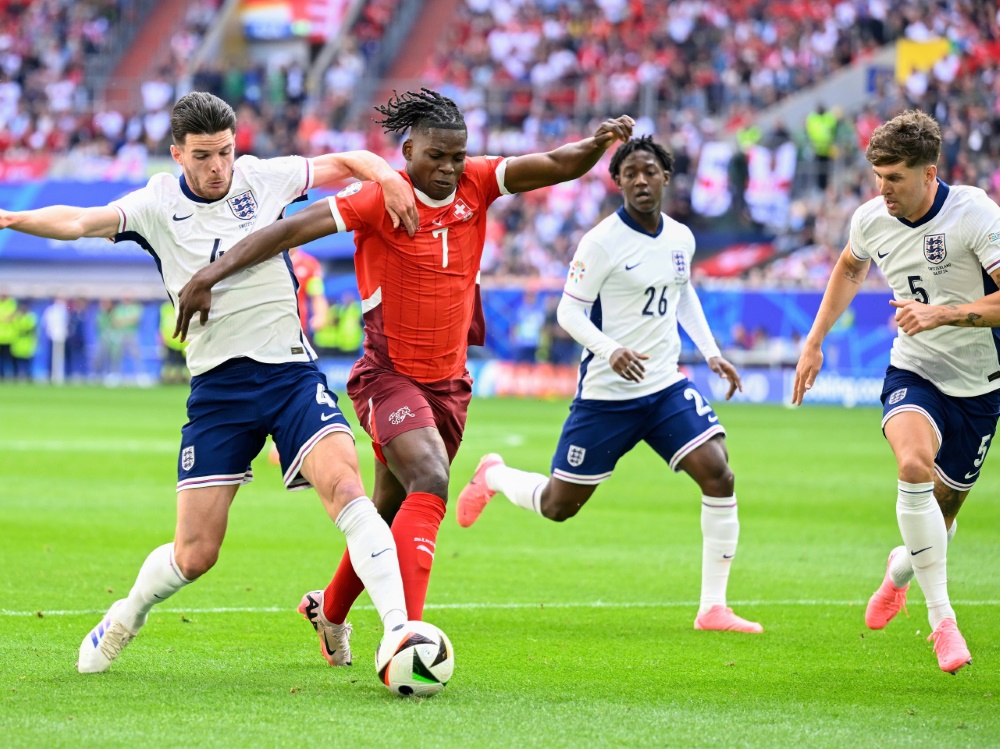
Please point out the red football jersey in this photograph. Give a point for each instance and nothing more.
(309, 273)
(420, 294)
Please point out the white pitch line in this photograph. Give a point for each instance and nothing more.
(91, 446)
(484, 606)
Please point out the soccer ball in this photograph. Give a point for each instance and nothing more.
(415, 661)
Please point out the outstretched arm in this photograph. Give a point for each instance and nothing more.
(196, 297)
(63, 221)
(399, 202)
(534, 170)
(914, 317)
(845, 282)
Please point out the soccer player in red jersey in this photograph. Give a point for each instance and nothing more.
(421, 304)
(311, 296)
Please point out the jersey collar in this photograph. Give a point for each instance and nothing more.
(939, 198)
(632, 224)
(430, 202)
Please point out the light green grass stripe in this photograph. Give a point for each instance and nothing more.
(488, 606)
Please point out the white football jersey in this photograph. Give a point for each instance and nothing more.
(254, 312)
(632, 280)
(944, 258)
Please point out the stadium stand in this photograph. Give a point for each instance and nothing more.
(529, 74)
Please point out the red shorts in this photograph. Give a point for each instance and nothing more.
(389, 403)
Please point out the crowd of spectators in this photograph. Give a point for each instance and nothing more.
(46, 104)
(532, 74)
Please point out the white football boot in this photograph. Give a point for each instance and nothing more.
(334, 639)
(105, 642)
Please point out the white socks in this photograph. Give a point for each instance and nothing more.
(922, 526)
(720, 530)
(901, 569)
(521, 487)
(373, 554)
(158, 579)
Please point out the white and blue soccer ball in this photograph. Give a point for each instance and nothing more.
(417, 660)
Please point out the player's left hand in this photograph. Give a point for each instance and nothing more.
(914, 317)
(619, 128)
(195, 297)
(726, 371)
(399, 202)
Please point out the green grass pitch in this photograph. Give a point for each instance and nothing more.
(566, 635)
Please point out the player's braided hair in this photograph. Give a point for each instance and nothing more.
(645, 143)
(912, 137)
(420, 110)
(200, 113)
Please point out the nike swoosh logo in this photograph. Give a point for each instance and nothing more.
(326, 417)
(972, 475)
(182, 218)
(728, 556)
(630, 267)
(914, 553)
(326, 644)
(380, 553)
(713, 419)
(881, 255)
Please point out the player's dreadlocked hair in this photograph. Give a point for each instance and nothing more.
(645, 143)
(420, 110)
(911, 137)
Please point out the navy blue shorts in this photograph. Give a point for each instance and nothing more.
(233, 408)
(674, 422)
(964, 426)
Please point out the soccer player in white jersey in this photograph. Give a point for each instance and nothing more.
(938, 245)
(629, 286)
(253, 371)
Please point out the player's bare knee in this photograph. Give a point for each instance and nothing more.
(559, 509)
(340, 489)
(194, 560)
(431, 480)
(719, 483)
(915, 469)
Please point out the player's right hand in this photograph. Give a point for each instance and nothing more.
(810, 362)
(195, 297)
(627, 364)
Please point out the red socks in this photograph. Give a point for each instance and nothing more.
(342, 591)
(415, 529)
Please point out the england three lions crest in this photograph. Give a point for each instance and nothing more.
(244, 205)
(680, 263)
(934, 249)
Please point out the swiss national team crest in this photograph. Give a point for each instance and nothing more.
(934, 249)
(897, 396)
(461, 210)
(576, 456)
(244, 205)
(187, 458)
(349, 190)
(397, 416)
(680, 263)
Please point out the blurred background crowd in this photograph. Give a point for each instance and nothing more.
(766, 106)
